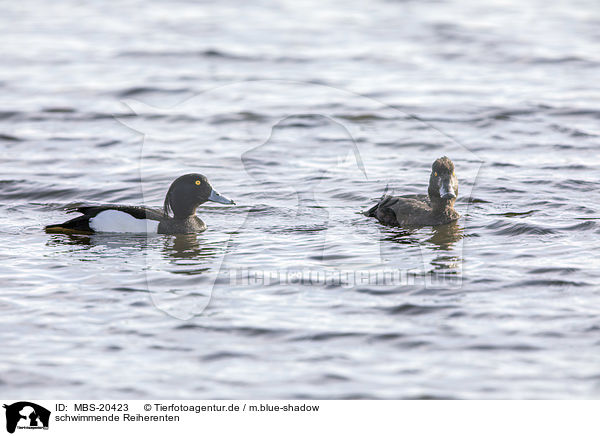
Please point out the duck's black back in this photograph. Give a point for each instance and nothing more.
(82, 222)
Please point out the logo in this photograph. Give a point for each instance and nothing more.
(26, 415)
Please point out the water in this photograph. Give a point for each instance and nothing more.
(303, 113)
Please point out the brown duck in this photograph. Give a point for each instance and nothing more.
(433, 209)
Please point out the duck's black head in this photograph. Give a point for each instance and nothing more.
(188, 192)
(443, 184)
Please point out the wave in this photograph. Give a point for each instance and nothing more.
(502, 227)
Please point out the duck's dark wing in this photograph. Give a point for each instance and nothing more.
(139, 212)
(420, 197)
(81, 224)
(393, 210)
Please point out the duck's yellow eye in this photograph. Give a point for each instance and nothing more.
(435, 174)
(198, 182)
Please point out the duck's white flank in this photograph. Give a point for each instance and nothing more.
(121, 222)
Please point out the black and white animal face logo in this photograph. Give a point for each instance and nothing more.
(26, 415)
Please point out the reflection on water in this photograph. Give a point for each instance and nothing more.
(430, 242)
(110, 240)
(400, 235)
(189, 246)
(445, 237)
(191, 254)
(67, 239)
(442, 237)
(184, 246)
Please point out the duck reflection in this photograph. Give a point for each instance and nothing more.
(189, 254)
(67, 239)
(444, 237)
(190, 246)
(183, 249)
(401, 236)
(439, 246)
(89, 241)
(447, 265)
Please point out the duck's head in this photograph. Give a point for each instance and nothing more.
(188, 192)
(443, 184)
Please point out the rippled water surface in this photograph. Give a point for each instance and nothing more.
(303, 113)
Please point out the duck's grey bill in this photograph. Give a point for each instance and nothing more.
(218, 198)
(446, 192)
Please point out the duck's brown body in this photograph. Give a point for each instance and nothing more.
(434, 209)
(411, 212)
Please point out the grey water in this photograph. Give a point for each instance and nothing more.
(304, 113)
